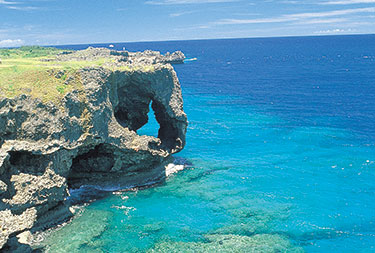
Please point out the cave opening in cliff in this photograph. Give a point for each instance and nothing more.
(131, 111)
(136, 112)
(26, 161)
(99, 159)
(152, 126)
(147, 115)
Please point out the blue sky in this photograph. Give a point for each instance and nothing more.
(51, 22)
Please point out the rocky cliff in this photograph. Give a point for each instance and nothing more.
(84, 135)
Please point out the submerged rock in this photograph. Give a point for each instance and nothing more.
(79, 236)
(231, 243)
(89, 137)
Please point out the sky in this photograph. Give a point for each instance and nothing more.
(62, 22)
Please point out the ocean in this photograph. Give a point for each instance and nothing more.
(280, 153)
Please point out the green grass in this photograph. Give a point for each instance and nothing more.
(32, 71)
(37, 82)
(30, 52)
(25, 71)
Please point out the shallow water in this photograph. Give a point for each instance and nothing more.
(281, 139)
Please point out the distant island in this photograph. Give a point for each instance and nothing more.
(70, 118)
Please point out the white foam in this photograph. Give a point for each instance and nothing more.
(173, 168)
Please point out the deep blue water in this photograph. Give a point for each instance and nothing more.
(282, 141)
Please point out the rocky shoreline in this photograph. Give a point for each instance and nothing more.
(88, 138)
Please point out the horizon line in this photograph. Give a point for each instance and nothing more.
(224, 38)
(180, 40)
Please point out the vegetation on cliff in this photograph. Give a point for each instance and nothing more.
(33, 71)
(49, 73)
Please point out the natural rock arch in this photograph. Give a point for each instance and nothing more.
(136, 93)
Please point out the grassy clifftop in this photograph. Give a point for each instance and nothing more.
(32, 70)
(29, 52)
(49, 73)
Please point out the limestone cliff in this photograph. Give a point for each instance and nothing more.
(86, 137)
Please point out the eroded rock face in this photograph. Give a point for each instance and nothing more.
(90, 139)
(11, 223)
(124, 57)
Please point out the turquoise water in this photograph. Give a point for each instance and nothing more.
(281, 142)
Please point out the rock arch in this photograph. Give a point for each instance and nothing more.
(139, 90)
